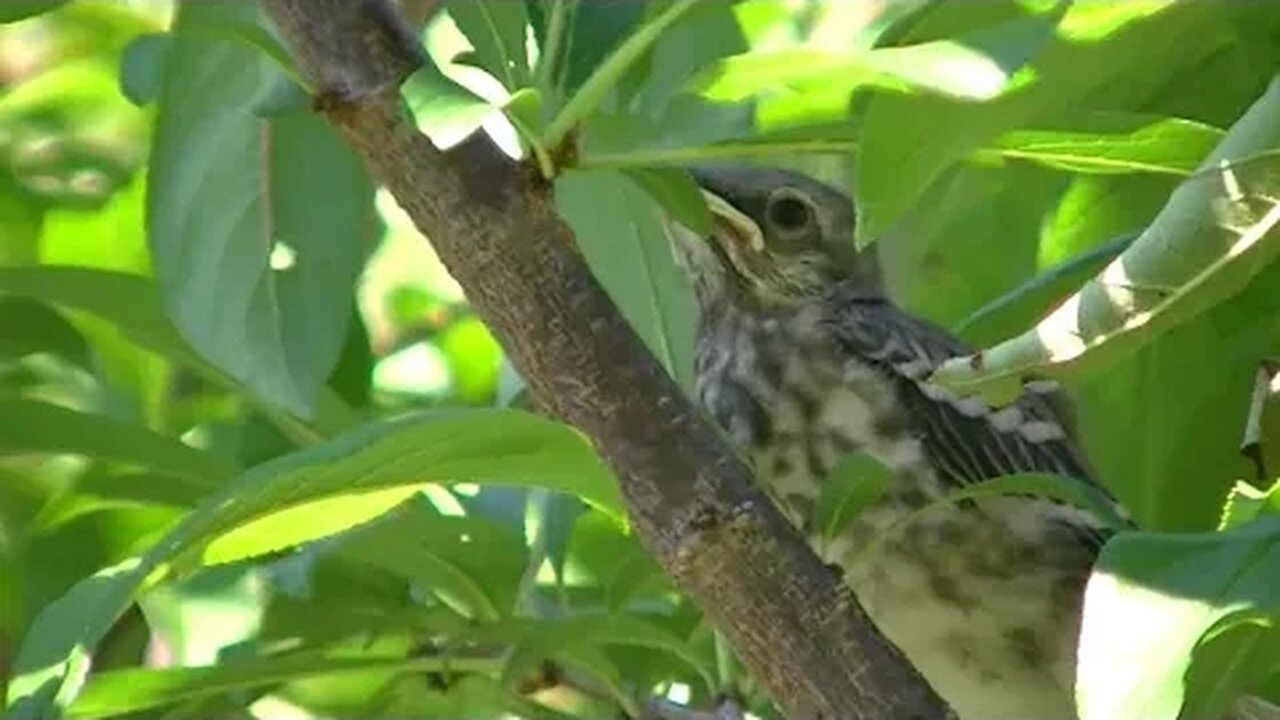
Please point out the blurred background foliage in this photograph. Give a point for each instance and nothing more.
(196, 280)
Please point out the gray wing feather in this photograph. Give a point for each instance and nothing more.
(969, 441)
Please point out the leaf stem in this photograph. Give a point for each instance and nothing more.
(556, 27)
(610, 71)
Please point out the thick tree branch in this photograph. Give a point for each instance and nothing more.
(691, 499)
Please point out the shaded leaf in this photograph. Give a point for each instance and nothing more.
(37, 427)
(475, 566)
(15, 10)
(128, 691)
(497, 32)
(622, 235)
(255, 285)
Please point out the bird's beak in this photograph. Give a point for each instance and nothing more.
(732, 225)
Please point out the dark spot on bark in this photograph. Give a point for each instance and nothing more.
(976, 361)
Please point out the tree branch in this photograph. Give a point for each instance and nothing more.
(692, 500)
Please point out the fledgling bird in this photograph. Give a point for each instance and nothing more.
(803, 359)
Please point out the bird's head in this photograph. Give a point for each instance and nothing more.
(777, 238)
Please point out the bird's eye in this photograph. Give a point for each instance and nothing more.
(789, 212)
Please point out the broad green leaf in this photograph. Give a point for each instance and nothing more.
(497, 32)
(132, 303)
(442, 109)
(37, 427)
(15, 10)
(31, 327)
(595, 30)
(1112, 143)
(910, 140)
(677, 193)
(129, 691)
(600, 554)
(621, 232)
(548, 640)
(606, 76)
(974, 67)
(473, 565)
(484, 446)
(1247, 503)
(1217, 231)
(853, 485)
(1150, 601)
(1026, 302)
(255, 225)
(142, 67)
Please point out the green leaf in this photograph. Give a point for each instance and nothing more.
(1149, 603)
(142, 67)
(123, 692)
(442, 109)
(678, 195)
(132, 303)
(621, 232)
(1217, 231)
(977, 66)
(853, 485)
(910, 140)
(387, 461)
(602, 80)
(1247, 503)
(1109, 143)
(473, 565)
(255, 226)
(36, 427)
(497, 32)
(33, 327)
(551, 640)
(15, 10)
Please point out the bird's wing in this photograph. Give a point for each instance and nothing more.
(966, 439)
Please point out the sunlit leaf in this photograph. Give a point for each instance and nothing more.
(1149, 602)
(1217, 231)
(1247, 503)
(912, 139)
(1108, 143)
(495, 446)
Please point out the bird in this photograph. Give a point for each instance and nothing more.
(803, 359)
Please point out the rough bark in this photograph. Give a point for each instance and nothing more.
(692, 501)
